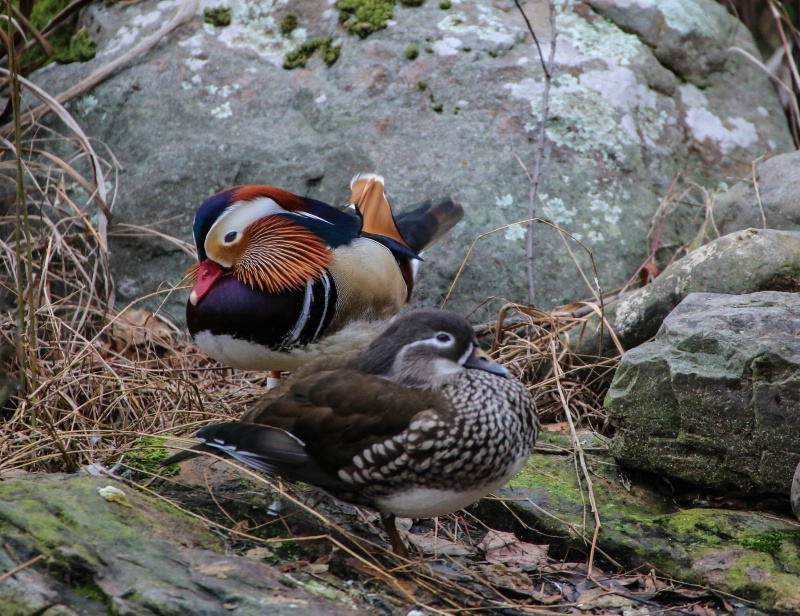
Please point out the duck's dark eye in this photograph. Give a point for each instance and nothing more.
(230, 236)
(442, 337)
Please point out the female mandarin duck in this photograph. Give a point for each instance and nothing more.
(282, 278)
(419, 424)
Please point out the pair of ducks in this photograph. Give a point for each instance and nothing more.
(420, 423)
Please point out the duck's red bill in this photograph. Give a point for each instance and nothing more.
(206, 277)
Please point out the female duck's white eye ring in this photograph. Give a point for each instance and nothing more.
(443, 337)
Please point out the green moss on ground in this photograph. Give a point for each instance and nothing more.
(771, 542)
(149, 458)
(692, 525)
(746, 553)
(81, 48)
(412, 53)
(218, 16)
(298, 58)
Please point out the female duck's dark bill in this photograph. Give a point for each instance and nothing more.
(480, 360)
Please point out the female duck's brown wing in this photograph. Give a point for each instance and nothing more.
(321, 425)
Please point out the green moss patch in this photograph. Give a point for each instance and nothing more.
(363, 17)
(81, 48)
(68, 44)
(218, 16)
(771, 542)
(150, 457)
(288, 24)
(299, 57)
(747, 553)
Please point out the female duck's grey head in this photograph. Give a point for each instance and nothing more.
(426, 347)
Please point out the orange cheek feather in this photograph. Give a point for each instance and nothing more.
(207, 275)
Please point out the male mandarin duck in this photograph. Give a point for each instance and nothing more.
(283, 278)
(419, 424)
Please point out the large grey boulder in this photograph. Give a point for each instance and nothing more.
(714, 400)
(769, 199)
(638, 97)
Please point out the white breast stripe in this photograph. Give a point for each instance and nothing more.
(326, 283)
(293, 335)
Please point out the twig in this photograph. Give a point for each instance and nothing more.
(26, 312)
(24, 565)
(582, 459)
(758, 195)
(547, 67)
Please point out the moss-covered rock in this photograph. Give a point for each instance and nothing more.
(90, 555)
(713, 400)
(746, 553)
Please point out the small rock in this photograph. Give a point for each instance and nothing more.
(772, 201)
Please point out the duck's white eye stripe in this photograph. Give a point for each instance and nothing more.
(435, 342)
(463, 359)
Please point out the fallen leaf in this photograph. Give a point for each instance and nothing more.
(259, 553)
(315, 568)
(648, 273)
(501, 577)
(137, 327)
(505, 548)
(561, 426)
